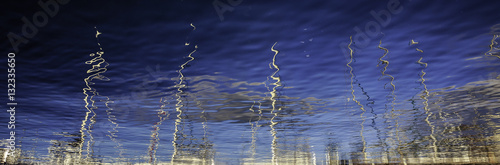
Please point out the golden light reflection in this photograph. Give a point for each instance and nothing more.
(494, 50)
(412, 42)
(427, 111)
(357, 102)
(394, 115)
(98, 67)
(179, 105)
(273, 99)
(163, 114)
(194, 27)
(254, 125)
(273, 76)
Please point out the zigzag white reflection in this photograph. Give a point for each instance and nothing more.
(363, 111)
(273, 103)
(98, 67)
(179, 105)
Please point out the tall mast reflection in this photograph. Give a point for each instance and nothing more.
(99, 65)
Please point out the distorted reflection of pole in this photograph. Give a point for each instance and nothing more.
(273, 99)
(179, 105)
(206, 142)
(370, 104)
(254, 127)
(357, 102)
(113, 133)
(155, 139)
(98, 67)
(394, 116)
(494, 50)
(426, 109)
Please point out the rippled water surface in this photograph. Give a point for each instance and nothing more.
(252, 82)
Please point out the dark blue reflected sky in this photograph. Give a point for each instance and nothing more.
(228, 99)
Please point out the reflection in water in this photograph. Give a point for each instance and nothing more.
(98, 67)
(254, 128)
(179, 135)
(393, 115)
(162, 115)
(109, 111)
(363, 150)
(449, 125)
(412, 42)
(273, 98)
(494, 46)
(470, 135)
(426, 109)
(188, 147)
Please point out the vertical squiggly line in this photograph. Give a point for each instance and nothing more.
(206, 142)
(162, 115)
(273, 103)
(370, 104)
(255, 125)
(260, 110)
(273, 76)
(206, 148)
(357, 102)
(254, 128)
(112, 133)
(109, 111)
(426, 109)
(394, 116)
(96, 70)
(179, 105)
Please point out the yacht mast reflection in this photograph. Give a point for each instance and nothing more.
(273, 98)
(98, 67)
(361, 107)
(393, 115)
(179, 107)
(425, 96)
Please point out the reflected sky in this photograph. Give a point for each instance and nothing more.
(258, 90)
(201, 110)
